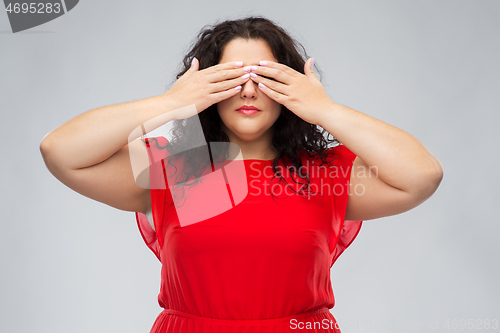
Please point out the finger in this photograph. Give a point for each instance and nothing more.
(227, 74)
(308, 68)
(273, 85)
(227, 84)
(195, 64)
(223, 71)
(280, 98)
(225, 94)
(266, 64)
(273, 73)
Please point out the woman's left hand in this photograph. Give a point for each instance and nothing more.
(302, 94)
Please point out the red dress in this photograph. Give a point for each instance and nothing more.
(262, 266)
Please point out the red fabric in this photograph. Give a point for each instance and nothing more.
(262, 266)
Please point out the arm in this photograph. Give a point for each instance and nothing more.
(91, 152)
(407, 172)
(392, 173)
(94, 136)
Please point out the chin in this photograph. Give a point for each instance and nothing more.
(248, 136)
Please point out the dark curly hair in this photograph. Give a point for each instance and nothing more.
(291, 133)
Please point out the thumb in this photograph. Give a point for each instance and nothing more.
(195, 64)
(308, 68)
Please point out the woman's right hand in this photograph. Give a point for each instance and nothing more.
(206, 87)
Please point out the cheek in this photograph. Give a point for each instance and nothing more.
(224, 113)
(221, 109)
(223, 106)
(277, 116)
(278, 109)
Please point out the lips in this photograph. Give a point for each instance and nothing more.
(248, 108)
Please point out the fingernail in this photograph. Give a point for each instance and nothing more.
(192, 61)
(261, 85)
(238, 63)
(247, 69)
(263, 63)
(246, 76)
(237, 88)
(253, 74)
(254, 68)
(312, 62)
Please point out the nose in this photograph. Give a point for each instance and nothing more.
(249, 89)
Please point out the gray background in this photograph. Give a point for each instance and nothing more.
(69, 263)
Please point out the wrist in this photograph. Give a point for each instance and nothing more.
(176, 109)
(328, 114)
(166, 102)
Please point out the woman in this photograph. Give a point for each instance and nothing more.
(259, 264)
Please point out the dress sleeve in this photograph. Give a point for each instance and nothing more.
(157, 152)
(344, 231)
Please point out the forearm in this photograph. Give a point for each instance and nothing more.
(398, 158)
(95, 135)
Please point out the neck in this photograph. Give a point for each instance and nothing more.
(259, 148)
